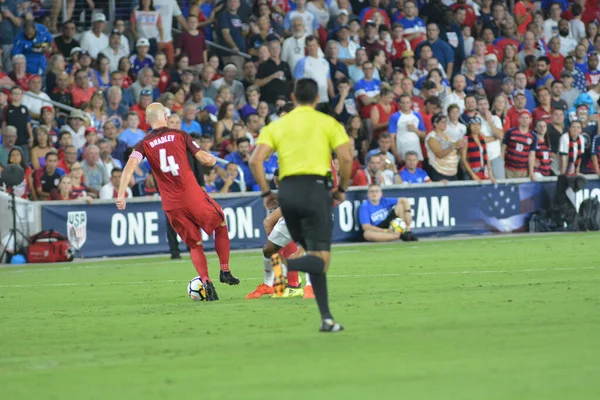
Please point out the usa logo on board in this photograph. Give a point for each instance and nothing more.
(77, 228)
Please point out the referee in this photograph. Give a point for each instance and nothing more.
(304, 140)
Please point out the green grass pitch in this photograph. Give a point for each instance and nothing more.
(514, 317)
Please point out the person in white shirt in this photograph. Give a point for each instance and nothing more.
(455, 129)
(111, 189)
(169, 9)
(35, 104)
(293, 47)
(576, 24)
(567, 43)
(95, 40)
(114, 51)
(458, 95)
(315, 68)
(311, 24)
(491, 126)
(407, 129)
(550, 25)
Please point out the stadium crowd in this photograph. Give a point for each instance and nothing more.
(427, 91)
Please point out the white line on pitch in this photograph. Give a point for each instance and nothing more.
(331, 276)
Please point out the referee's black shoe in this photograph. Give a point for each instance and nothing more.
(211, 293)
(409, 237)
(330, 326)
(229, 279)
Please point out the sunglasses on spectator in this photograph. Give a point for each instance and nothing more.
(146, 92)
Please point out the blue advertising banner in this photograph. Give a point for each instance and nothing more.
(101, 230)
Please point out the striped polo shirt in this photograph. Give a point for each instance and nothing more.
(518, 145)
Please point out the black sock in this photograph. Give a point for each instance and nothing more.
(308, 263)
(319, 283)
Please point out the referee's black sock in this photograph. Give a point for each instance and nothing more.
(308, 263)
(319, 283)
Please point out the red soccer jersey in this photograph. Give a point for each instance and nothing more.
(166, 150)
(471, 17)
(540, 113)
(142, 114)
(557, 64)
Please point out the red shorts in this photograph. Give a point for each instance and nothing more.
(187, 222)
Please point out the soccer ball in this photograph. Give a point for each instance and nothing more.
(196, 289)
(398, 225)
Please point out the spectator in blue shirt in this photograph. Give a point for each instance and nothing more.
(377, 212)
(132, 134)
(411, 173)
(230, 34)
(441, 50)
(189, 123)
(241, 158)
(33, 42)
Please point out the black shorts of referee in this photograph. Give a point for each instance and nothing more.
(307, 205)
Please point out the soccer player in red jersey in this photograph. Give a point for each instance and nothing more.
(188, 207)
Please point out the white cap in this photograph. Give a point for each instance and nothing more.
(142, 42)
(491, 57)
(99, 17)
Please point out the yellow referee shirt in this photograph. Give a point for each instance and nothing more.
(304, 139)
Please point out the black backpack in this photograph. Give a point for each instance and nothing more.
(589, 215)
(541, 222)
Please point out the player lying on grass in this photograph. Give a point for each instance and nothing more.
(280, 241)
(377, 213)
(188, 207)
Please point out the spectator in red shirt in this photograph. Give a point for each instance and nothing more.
(471, 16)
(160, 70)
(523, 15)
(19, 75)
(544, 111)
(519, 102)
(64, 190)
(70, 158)
(193, 43)
(557, 60)
(82, 92)
(140, 108)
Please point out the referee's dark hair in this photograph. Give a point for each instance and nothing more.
(306, 91)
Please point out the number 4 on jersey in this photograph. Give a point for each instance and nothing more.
(167, 163)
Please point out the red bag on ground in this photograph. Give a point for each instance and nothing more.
(48, 247)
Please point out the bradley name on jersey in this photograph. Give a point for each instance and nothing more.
(162, 140)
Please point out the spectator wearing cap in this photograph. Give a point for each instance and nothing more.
(75, 127)
(114, 52)
(442, 151)
(94, 39)
(81, 91)
(193, 43)
(146, 22)
(342, 17)
(141, 59)
(189, 123)
(371, 40)
(66, 42)
(414, 27)
(518, 149)
(346, 48)
(570, 92)
(230, 35)
(41, 99)
(33, 42)
(367, 90)
(143, 82)
(474, 155)
(237, 89)
(491, 79)
(207, 117)
(344, 104)
(442, 51)
(557, 60)
(274, 76)
(311, 23)
(140, 108)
